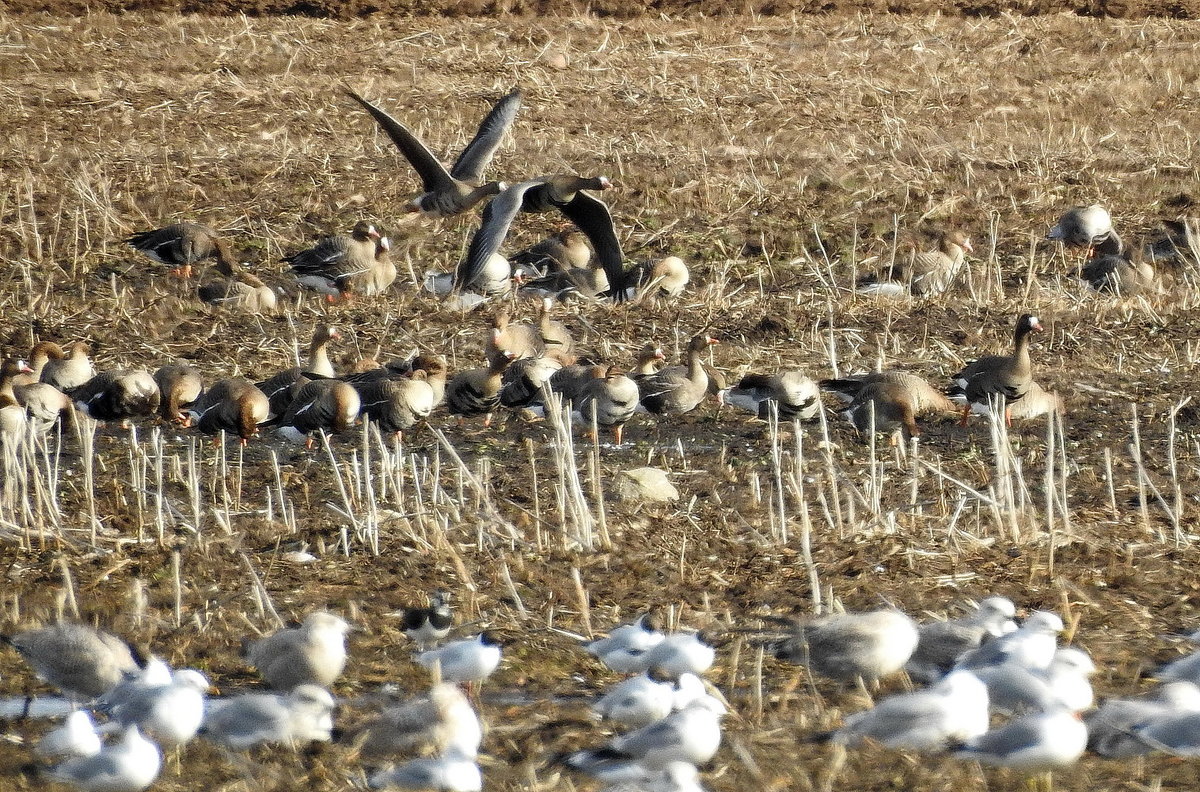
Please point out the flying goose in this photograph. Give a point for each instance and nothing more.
(179, 386)
(181, 245)
(337, 264)
(238, 289)
(925, 273)
(450, 192)
(234, 404)
(793, 392)
(993, 376)
(678, 389)
(564, 192)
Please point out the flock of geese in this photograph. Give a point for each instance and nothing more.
(991, 691)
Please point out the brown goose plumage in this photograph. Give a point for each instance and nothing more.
(397, 403)
(926, 272)
(1111, 270)
(678, 389)
(925, 398)
(559, 342)
(994, 376)
(332, 265)
(70, 370)
(327, 405)
(12, 415)
(477, 391)
(179, 386)
(1082, 226)
(889, 404)
(234, 404)
(609, 400)
(118, 395)
(44, 404)
(182, 245)
(521, 340)
(560, 253)
(281, 388)
(793, 392)
(238, 290)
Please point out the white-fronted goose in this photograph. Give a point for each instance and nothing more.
(568, 382)
(39, 356)
(12, 415)
(1082, 226)
(234, 404)
(477, 391)
(321, 405)
(335, 264)
(1111, 270)
(1036, 402)
(559, 342)
(927, 272)
(562, 192)
(181, 245)
(398, 403)
(69, 371)
(562, 252)
(649, 361)
(667, 276)
(678, 389)
(1176, 241)
(239, 290)
(118, 395)
(520, 339)
(1000, 375)
(281, 388)
(45, 405)
(493, 278)
(522, 381)
(794, 393)
(886, 405)
(179, 387)
(450, 192)
(925, 399)
(609, 399)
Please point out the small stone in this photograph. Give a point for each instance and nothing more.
(555, 59)
(644, 485)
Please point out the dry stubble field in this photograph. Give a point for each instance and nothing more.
(776, 155)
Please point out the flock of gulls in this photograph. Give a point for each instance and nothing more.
(990, 691)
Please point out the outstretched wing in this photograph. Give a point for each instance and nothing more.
(593, 219)
(497, 218)
(478, 154)
(434, 175)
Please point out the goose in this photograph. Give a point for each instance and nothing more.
(453, 191)
(667, 276)
(179, 386)
(678, 389)
(79, 660)
(522, 381)
(520, 339)
(926, 399)
(281, 388)
(885, 406)
(319, 406)
(1110, 270)
(234, 404)
(928, 272)
(609, 400)
(13, 418)
(564, 192)
(312, 654)
(395, 404)
(336, 264)
(67, 371)
(850, 646)
(477, 391)
(1036, 402)
(181, 245)
(561, 253)
(118, 395)
(559, 342)
(239, 290)
(793, 392)
(1007, 376)
(494, 277)
(1082, 226)
(44, 404)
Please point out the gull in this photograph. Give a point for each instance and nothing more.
(674, 777)
(691, 735)
(170, 713)
(1013, 687)
(1186, 668)
(642, 634)
(449, 773)
(129, 765)
(303, 715)
(75, 737)
(1032, 645)
(1111, 728)
(637, 701)
(155, 673)
(849, 646)
(942, 643)
(468, 660)
(441, 720)
(313, 653)
(953, 710)
(1037, 742)
(81, 661)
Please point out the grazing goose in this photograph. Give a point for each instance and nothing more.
(559, 342)
(44, 405)
(281, 388)
(395, 404)
(562, 192)
(1111, 270)
(13, 419)
(239, 290)
(181, 245)
(312, 654)
(521, 340)
(1082, 226)
(1036, 402)
(886, 406)
(795, 395)
(450, 192)
(667, 276)
(118, 395)
(926, 273)
(67, 371)
(849, 646)
(179, 387)
(1007, 376)
(522, 381)
(609, 399)
(677, 389)
(329, 406)
(335, 264)
(560, 253)
(81, 661)
(231, 405)
(477, 391)
(926, 399)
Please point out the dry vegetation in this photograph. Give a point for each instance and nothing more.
(778, 155)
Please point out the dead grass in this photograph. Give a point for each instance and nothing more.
(780, 157)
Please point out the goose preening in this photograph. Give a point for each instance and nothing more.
(925, 273)
(312, 654)
(238, 289)
(118, 395)
(794, 394)
(338, 266)
(282, 387)
(678, 389)
(450, 192)
(234, 404)
(1082, 226)
(999, 376)
(477, 391)
(566, 193)
(179, 387)
(396, 403)
(182, 245)
(885, 407)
